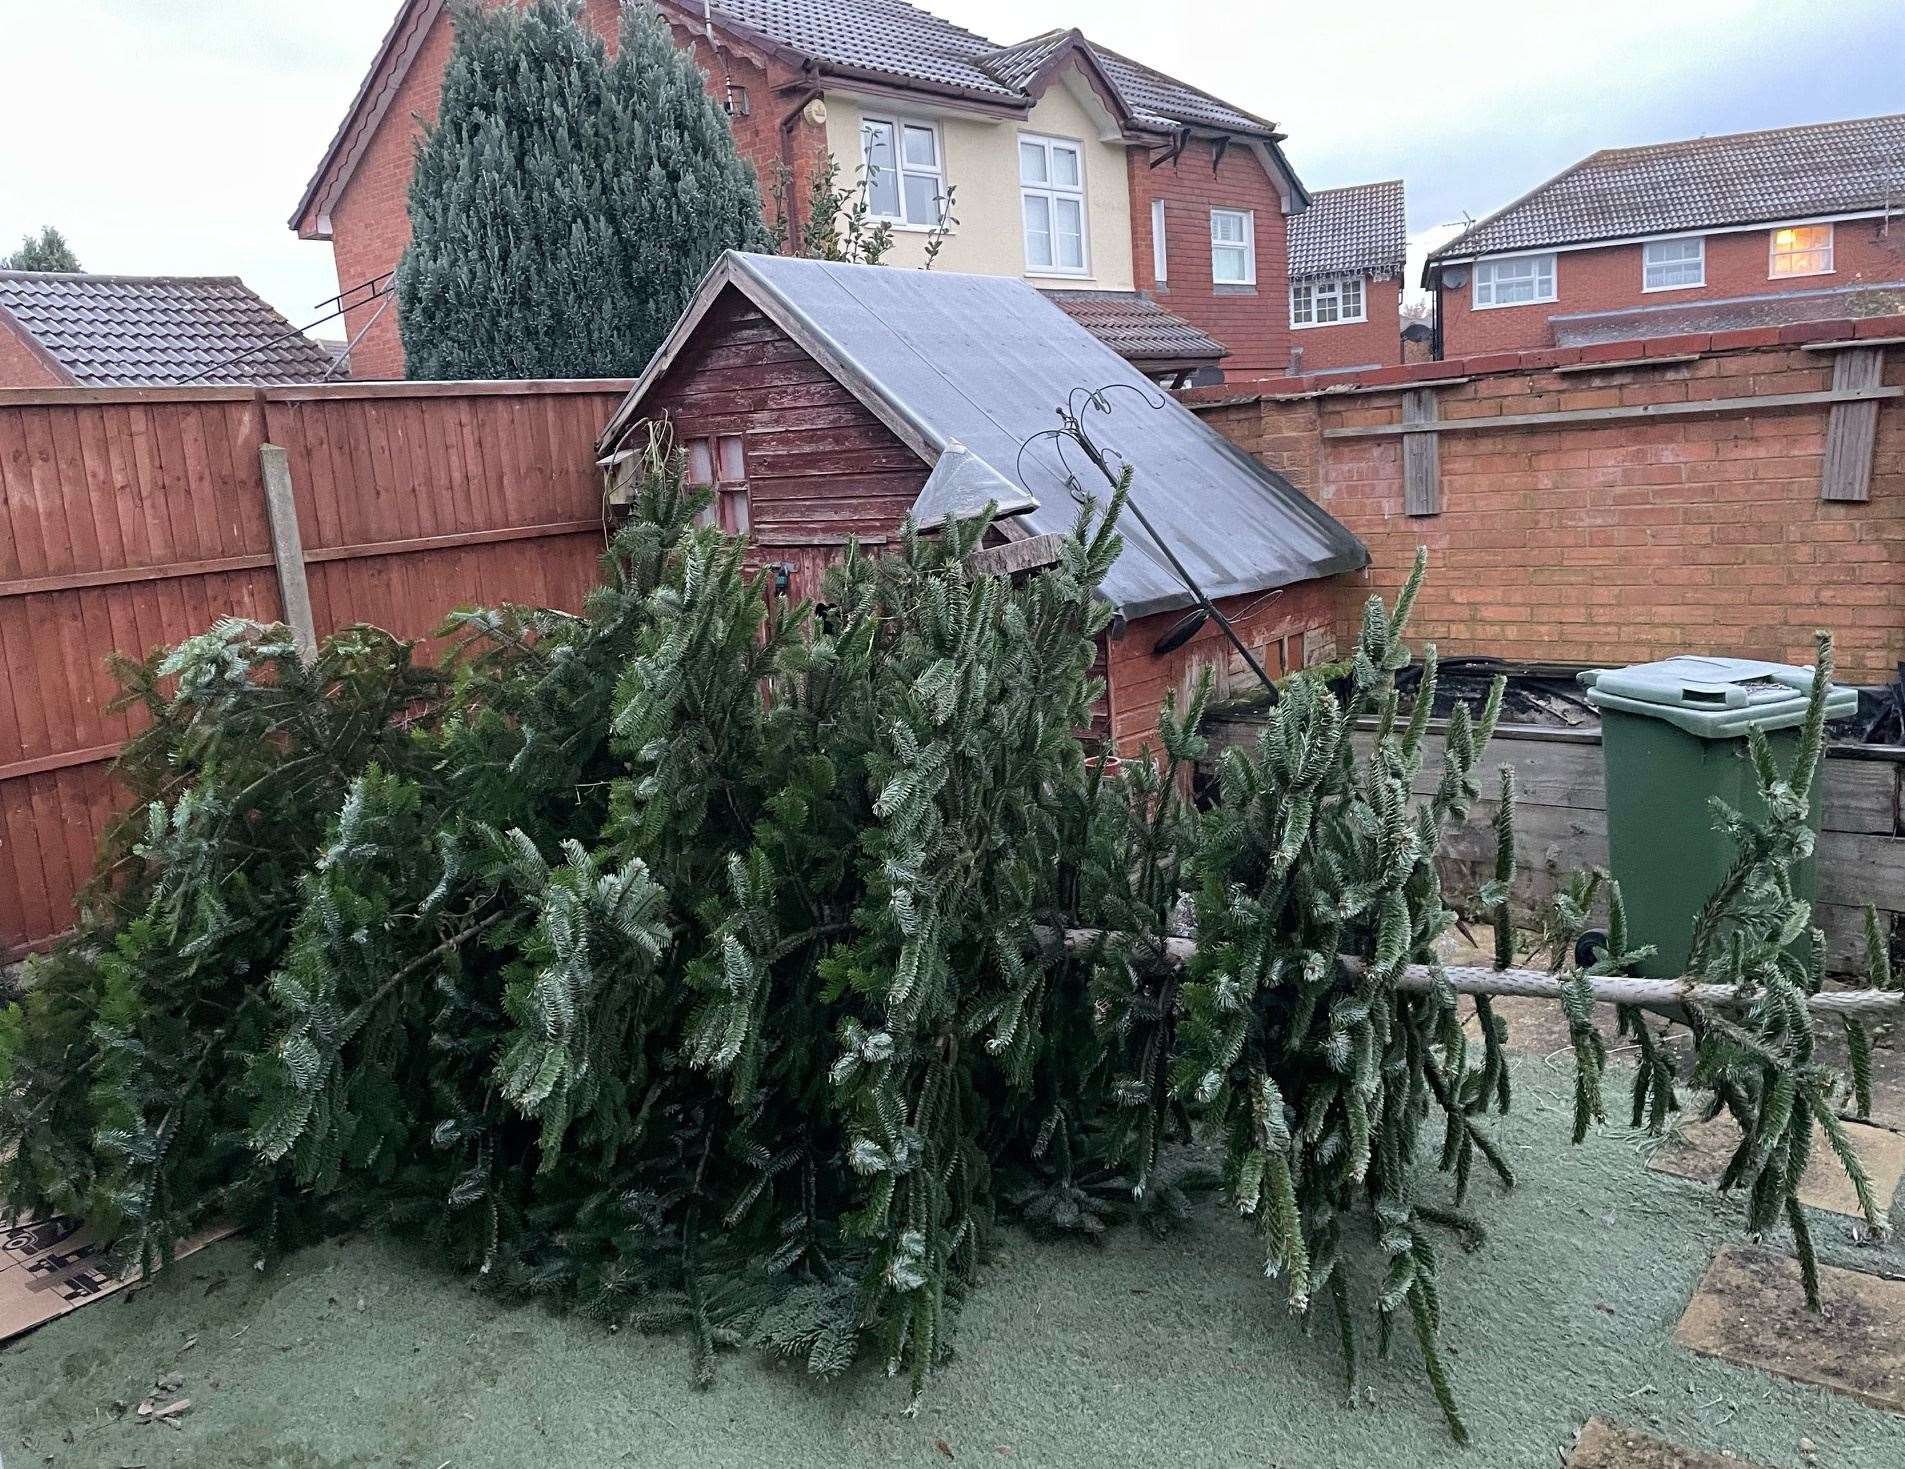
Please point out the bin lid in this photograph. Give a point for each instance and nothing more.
(1715, 698)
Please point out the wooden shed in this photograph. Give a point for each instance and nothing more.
(827, 401)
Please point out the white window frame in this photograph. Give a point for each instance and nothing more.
(1249, 242)
(1052, 192)
(1490, 266)
(1648, 264)
(899, 123)
(1773, 252)
(1160, 269)
(1328, 288)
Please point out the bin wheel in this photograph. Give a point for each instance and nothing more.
(1585, 946)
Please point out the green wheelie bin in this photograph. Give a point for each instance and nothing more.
(1673, 736)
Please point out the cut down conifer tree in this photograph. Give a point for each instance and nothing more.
(690, 959)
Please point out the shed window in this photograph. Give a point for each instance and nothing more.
(1327, 303)
(720, 463)
(906, 180)
(1670, 265)
(1802, 249)
(1233, 247)
(1515, 282)
(1052, 196)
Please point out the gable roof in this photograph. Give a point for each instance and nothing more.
(127, 330)
(982, 362)
(1702, 183)
(1358, 230)
(1137, 328)
(886, 42)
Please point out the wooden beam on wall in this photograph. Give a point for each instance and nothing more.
(1852, 427)
(287, 549)
(1608, 415)
(1421, 456)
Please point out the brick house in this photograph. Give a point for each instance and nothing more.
(1070, 166)
(1711, 234)
(796, 391)
(1348, 251)
(60, 330)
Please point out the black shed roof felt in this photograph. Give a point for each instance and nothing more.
(985, 362)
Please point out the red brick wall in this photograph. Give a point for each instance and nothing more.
(1614, 541)
(20, 365)
(1376, 342)
(1271, 624)
(1610, 280)
(1253, 321)
(370, 225)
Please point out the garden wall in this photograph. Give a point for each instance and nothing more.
(1561, 823)
(133, 518)
(1724, 493)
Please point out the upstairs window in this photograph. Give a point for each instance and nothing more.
(905, 172)
(1516, 282)
(720, 464)
(1802, 249)
(1233, 247)
(1052, 194)
(1160, 272)
(1671, 265)
(1327, 303)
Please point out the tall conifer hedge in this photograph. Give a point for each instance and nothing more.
(565, 204)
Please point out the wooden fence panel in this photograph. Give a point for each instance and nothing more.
(131, 519)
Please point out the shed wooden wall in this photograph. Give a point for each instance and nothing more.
(820, 466)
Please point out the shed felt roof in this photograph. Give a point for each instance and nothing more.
(1136, 327)
(1703, 183)
(126, 331)
(985, 362)
(1358, 230)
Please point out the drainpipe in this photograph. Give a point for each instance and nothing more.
(1435, 317)
(791, 204)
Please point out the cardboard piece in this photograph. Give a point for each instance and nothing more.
(1702, 1150)
(1605, 1445)
(54, 1265)
(1751, 1311)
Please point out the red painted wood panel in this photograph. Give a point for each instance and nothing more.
(119, 497)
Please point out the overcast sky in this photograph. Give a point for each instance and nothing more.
(174, 136)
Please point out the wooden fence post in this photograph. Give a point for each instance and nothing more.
(287, 549)
(1851, 428)
(1421, 456)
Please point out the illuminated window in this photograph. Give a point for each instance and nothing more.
(1516, 282)
(1802, 249)
(1669, 265)
(1326, 303)
(721, 464)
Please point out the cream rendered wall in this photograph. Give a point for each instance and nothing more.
(981, 162)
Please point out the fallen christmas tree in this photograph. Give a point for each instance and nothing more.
(701, 963)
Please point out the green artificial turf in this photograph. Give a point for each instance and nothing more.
(1139, 1352)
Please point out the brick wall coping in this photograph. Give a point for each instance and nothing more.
(1537, 359)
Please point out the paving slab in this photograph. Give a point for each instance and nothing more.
(1605, 1445)
(1701, 1150)
(1750, 1310)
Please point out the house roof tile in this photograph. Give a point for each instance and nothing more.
(1735, 314)
(122, 331)
(1703, 183)
(1136, 327)
(1359, 230)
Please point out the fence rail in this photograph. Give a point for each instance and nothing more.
(131, 518)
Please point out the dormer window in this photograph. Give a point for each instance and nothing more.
(1801, 249)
